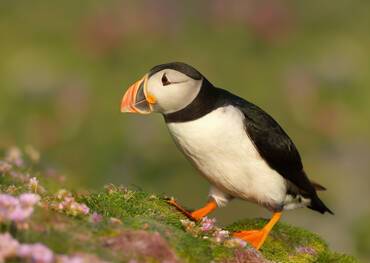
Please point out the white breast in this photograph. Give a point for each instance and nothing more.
(219, 147)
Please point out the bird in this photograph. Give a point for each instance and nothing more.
(235, 145)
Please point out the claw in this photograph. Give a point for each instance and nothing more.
(196, 215)
(188, 214)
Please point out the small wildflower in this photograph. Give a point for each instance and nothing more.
(8, 247)
(17, 210)
(67, 203)
(33, 184)
(60, 207)
(207, 224)
(5, 167)
(71, 259)
(235, 242)
(207, 229)
(96, 218)
(306, 250)
(153, 197)
(36, 253)
(190, 227)
(7, 201)
(110, 188)
(11, 189)
(32, 153)
(14, 156)
(62, 193)
(128, 194)
(19, 176)
(221, 235)
(84, 209)
(187, 224)
(19, 214)
(115, 221)
(29, 199)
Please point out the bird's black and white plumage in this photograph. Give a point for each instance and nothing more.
(239, 148)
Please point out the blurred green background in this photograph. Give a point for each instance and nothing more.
(64, 66)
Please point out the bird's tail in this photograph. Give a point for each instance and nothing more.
(317, 186)
(318, 205)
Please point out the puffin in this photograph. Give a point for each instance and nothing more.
(235, 145)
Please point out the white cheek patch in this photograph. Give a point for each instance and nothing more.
(173, 97)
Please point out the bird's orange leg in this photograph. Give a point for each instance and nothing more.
(257, 237)
(197, 214)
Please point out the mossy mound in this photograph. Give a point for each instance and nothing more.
(287, 243)
(120, 225)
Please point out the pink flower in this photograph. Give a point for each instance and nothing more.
(306, 250)
(84, 209)
(7, 204)
(235, 242)
(14, 156)
(29, 199)
(7, 201)
(60, 206)
(5, 167)
(37, 253)
(20, 214)
(8, 246)
(17, 209)
(71, 259)
(68, 204)
(96, 218)
(221, 235)
(73, 206)
(62, 193)
(69, 199)
(207, 224)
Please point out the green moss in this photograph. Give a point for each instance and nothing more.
(138, 211)
(291, 244)
(333, 257)
(127, 203)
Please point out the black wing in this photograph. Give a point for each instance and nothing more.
(272, 143)
(275, 147)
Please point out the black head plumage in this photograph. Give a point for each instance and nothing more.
(178, 66)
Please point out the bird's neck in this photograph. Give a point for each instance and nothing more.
(204, 103)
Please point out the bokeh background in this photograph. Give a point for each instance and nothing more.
(64, 66)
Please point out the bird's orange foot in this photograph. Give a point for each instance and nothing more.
(196, 215)
(254, 237)
(188, 214)
(257, 237)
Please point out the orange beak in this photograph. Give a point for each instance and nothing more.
(135, 99)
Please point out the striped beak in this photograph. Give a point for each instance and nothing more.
(135, 99)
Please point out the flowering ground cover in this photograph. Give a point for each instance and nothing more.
(42, 222)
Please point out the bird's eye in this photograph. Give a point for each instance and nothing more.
(165, 80)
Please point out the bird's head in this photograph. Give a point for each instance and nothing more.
(166, 88)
